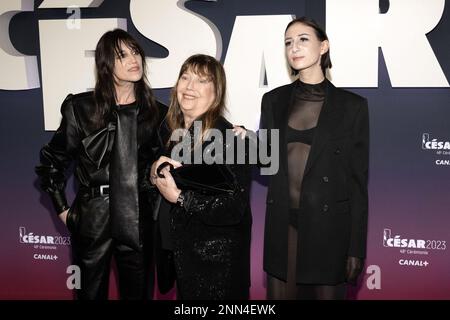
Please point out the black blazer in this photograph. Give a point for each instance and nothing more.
(334, 200)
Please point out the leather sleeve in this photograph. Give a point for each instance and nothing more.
(57, 156)
(152, 152)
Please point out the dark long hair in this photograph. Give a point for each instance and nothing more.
(325, 61)
(108, 48)
(207, 66)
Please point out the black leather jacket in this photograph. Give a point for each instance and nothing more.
(76, 141)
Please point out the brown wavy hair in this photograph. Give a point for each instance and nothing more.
(205, 66)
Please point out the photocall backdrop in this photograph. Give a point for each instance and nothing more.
(395, 53)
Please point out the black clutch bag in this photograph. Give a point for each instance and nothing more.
(204, 178)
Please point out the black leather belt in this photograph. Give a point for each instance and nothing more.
(99, 191)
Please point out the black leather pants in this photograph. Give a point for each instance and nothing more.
(94, 250)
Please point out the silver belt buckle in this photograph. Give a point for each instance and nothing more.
(103, 188)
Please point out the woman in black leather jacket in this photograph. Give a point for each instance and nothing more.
(110, 135)
(209, 234)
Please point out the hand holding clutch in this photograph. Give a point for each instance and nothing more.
(203, 178)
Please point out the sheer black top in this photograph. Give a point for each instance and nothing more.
(304, 113)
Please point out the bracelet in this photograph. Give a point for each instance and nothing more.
(180, 199)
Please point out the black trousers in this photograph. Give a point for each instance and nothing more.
(134, 270)
(93, 251)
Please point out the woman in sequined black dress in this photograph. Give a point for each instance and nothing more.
(208, 234)
(317, 203)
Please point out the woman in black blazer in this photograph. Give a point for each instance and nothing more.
(317, 203)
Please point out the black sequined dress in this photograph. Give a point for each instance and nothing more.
(210, 239)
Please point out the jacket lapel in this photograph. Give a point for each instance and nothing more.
(328, 120)
(280, 114)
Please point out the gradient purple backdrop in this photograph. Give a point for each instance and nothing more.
(409, 193)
